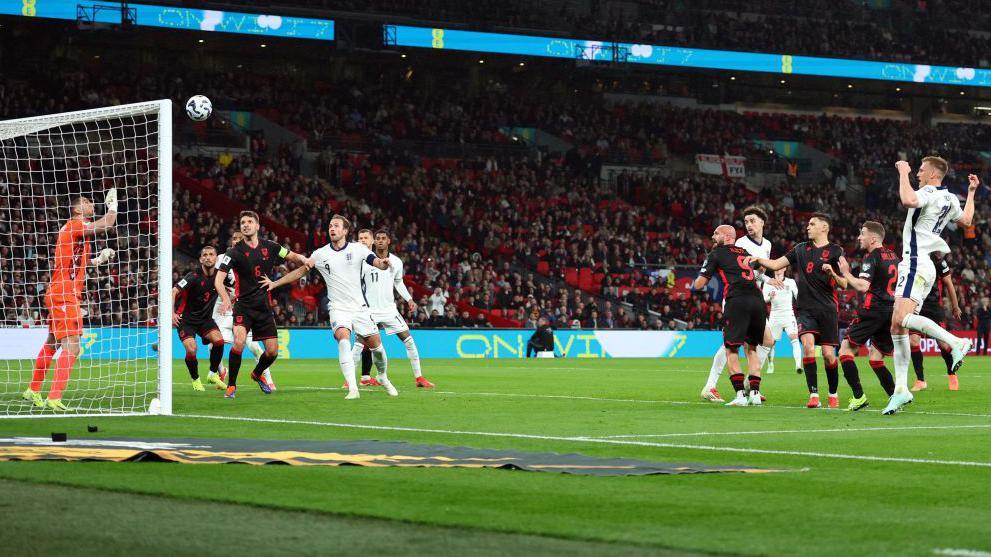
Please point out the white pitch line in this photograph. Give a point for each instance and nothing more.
(962, 552)
(868, 458)
(772, 432)
(631, 400)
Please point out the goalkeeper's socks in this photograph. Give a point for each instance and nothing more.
(62, 371)
(192, 366)
(234, 363)
(216, 355)
(917, 365)
(41, 366)
(366, 362)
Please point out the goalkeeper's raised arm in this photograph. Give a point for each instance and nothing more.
(109, 219)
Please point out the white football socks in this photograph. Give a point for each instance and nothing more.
(347, 364)
(255, 349)
(902, 357)
(796, 351)
(718, 363)
(381, 362)
(414, 356)
(762, 353)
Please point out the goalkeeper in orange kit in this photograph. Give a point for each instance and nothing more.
(63, 297)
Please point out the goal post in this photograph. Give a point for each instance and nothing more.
(124, 306)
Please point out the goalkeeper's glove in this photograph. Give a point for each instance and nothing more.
(106, 254)
(111, 200)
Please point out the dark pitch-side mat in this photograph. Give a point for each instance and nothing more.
(338, 453)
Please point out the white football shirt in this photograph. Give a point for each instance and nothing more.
(924, 224)
(341, 272)
(762, 249)
(782, 304)
(229, 283)
(378, 284)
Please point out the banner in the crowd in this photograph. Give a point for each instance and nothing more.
(174, 17)
(138, 343)
(678, 56)
(723, 165)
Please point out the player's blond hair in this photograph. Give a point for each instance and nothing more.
(939, 163)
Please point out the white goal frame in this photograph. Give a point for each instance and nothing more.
(9, 129)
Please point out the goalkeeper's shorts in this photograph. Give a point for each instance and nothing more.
(65, 316)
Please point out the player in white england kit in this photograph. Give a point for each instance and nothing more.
(930, 209)
(379, 285)
(756, 245)
(782, 318)
(339, 262)
(225, 322)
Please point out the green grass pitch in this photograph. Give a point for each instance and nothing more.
(917, 483)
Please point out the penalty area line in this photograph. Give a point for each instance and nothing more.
(621, 442)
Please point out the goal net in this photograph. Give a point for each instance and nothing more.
(46, 164)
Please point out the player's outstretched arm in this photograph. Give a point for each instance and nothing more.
(968, 209)
(108, 220)
(218, 285)
(770, 264)
(951, 293)
(841, 281)
(378, 263)
(288, 278)
(700, 283)
(857, 283)
(300, 259)
(906, 194)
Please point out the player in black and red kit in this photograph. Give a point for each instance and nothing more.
(877, 276)
(194, 316)
(745, 311)
(932, 308)
(817, 308)
(251, 260)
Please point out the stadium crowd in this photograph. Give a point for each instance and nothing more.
(507, 237)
